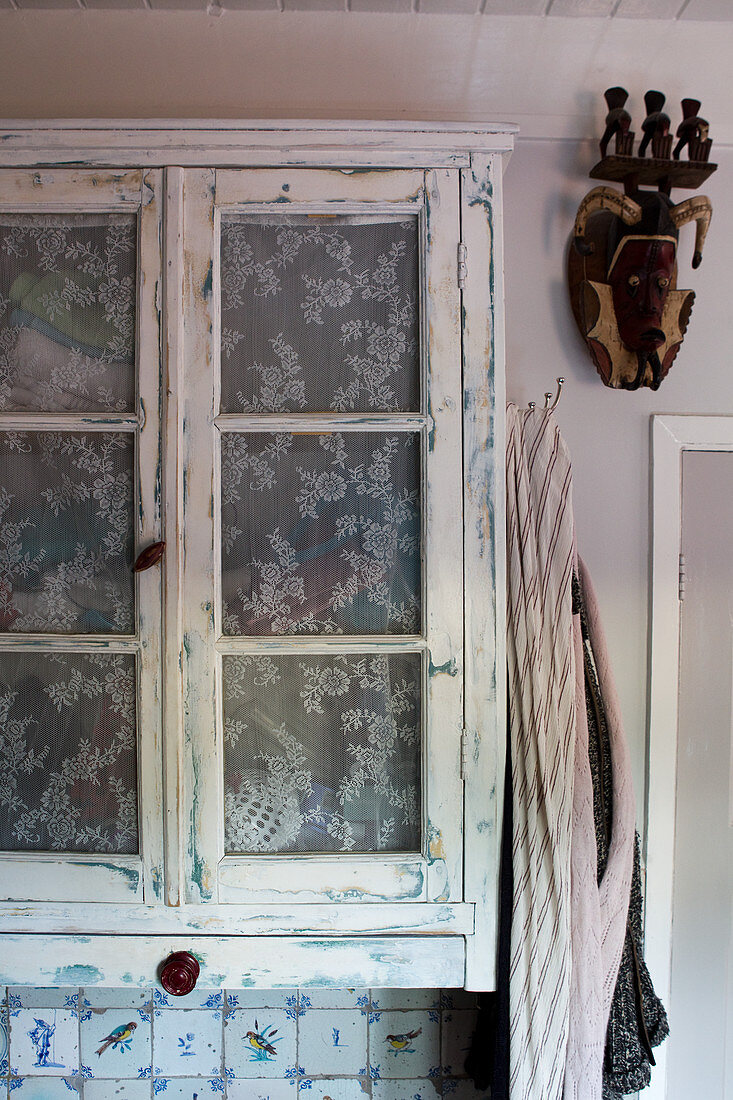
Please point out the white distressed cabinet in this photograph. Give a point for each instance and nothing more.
(278, 349)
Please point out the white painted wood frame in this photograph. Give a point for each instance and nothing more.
(484, 556)
(435, 874)
(671, 437)
(107, 877)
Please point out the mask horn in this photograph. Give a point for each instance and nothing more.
(603, 198)
(698, 209)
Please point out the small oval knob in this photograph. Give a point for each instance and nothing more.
(148, 557)
(179, 973)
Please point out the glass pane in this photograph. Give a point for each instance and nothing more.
(321, 533)
(66, 532)
(67, 311)
(67, 742)
(319, 313)
(322, 753)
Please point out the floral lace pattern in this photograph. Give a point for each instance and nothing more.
(319, 314)
(66, 532)
(67, 742)
(321, 533)
(67, 312)
(322, 753)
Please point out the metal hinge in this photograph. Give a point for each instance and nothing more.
(464, 753)
(462, 265)
(682, 577)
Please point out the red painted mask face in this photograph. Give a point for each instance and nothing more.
(641, 278)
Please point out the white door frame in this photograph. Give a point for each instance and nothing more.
(671, 436)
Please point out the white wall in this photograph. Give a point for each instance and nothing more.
(546, 74)
(608, 430)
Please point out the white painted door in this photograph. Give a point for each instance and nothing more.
(80, 496)
(699, 1057)
(322, 457)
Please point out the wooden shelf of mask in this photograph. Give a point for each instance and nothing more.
(653, 171)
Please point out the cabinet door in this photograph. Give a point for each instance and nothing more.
(79, 497)
(320, 433)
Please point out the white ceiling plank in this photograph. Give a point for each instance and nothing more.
(515, 7)
(179, 5)
(112, 5)
(717, 11)
(649, 9)
(315, 5)
(250, 5)
(595, 8)
(380, 5)
(37, 5)
(448, 7)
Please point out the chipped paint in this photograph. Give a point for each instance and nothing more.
(207, 287)
(132, 874)
(78, 973)
(450, 667)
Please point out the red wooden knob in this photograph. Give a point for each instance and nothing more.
(149, 557)
(178, 973)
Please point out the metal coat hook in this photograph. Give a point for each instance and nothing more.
(549, 408)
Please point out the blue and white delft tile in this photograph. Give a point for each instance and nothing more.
(116, 1043)
(262, 998)
(44, 1042)
(29, 996)
(262, 1090)
(458, 1029)
(126, 997)
(355, 1089)
(98, 1089)
(412, 1089)
(188, 1088)
(259, 1043)
(43, 1088)
(4, 1046)
(320, 997)
(385, 999)
(458, 998)
(200, 998)
(332, 1042)
(405, 1044)
(187, 1043)
(462, 1089)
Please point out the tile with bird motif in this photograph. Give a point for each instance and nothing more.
(187, 1043)
(411, 1089)
(116, 1043)
(259, 1043)
(42, 1088)
(44, 1042)
(405, 1044)
(332, 1042)
(98, 1089)
(262, 1090)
